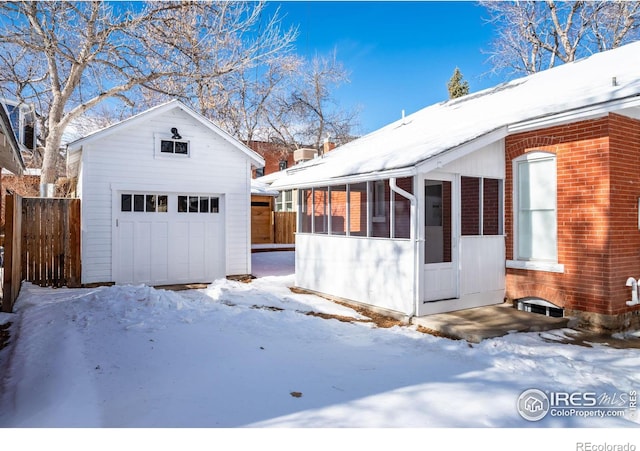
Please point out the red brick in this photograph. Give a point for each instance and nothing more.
(598, 191)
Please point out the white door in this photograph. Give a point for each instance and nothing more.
(163, 238)
(440, 273)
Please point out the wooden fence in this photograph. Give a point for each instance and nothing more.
(261, 219)
(269, 227)
(284, 224)
(42, 244)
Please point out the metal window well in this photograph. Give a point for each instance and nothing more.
(540, 306)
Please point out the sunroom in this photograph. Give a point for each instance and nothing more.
(412, 241)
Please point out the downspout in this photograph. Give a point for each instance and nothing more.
(396, 189)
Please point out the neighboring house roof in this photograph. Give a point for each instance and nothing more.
(10, 156)
(76, 145)
(433, 136)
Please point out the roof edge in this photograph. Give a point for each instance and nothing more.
(7, 130)
(157, 110)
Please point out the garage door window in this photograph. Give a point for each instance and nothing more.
(198, 204)
(150, 203)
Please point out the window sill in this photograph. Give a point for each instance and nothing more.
(170, 156)
(535, 266)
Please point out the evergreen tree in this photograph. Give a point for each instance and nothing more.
(457, 86)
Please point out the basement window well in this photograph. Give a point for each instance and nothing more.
(541, 307)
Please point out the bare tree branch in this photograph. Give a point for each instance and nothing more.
(69, 57)
(536, 35)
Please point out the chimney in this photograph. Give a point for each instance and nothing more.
(328, 146)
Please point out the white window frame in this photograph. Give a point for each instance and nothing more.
(379, 212)
(283, 203)
(481, 211)
(550, 265)
(158, 138)
(145, 205)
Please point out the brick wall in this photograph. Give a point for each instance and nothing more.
(272, 154)
(624, 142)
(470, 206)
(598, 237)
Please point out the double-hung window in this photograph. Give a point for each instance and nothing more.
(535, 211)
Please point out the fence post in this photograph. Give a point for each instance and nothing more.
(12, 252)
(74, 278)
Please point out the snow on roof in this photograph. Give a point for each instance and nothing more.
(602, 78)
(263, 189)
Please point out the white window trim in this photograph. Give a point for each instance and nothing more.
(532, 265)
(535, 266)
(157, 142)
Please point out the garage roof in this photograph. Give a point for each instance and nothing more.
(76, 145)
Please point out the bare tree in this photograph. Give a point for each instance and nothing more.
(308, 113)
(537, 35)
(68, 57)
(251, 95)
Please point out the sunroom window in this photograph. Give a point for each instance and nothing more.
(366, 209)
(480, 206)
(358, 209)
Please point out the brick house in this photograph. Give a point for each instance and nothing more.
(598, 241)
(279, 157)
(527, 192)
(276, 157)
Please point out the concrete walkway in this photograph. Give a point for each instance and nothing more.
(477, 324)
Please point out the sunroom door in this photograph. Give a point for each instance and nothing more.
(440, 268)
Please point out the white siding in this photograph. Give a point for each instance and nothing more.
(126, 160)
(486, 162)
(483, 264)
(378, 272)
(480, 260)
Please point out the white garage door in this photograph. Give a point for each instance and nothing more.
(168, 238)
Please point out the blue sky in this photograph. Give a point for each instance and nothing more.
(399, 55)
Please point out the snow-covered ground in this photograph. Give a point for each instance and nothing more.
(247, 355)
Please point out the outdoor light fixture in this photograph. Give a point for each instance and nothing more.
(175, 133)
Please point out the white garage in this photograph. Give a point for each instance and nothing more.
(165, 200)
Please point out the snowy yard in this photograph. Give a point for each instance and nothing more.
(246, 355)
